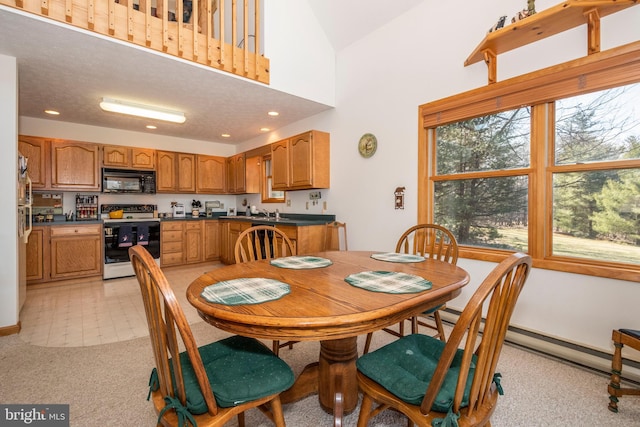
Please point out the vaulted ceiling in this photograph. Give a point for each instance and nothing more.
(70, 71)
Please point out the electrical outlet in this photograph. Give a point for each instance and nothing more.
(289, 203)
(315, 195)
(324, 206)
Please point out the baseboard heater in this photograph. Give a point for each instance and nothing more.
(564, 350)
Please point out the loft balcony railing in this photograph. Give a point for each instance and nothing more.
(223, 34)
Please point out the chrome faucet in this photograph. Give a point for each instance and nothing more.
(266, 212)
(277, 215)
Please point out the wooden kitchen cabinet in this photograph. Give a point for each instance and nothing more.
(181, 242)
(193, 242)
(176, 172)
(229, 233)
(37, 269)
(236, 179)
(186, 171)
(301, 162)
(306, 239)
(211, 241)
(76, 251)
(36, 150)
(210, 174)
(253, 170)
(75, 165)
(128, 157)
(166, 172)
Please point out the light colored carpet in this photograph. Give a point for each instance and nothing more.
(106, 385)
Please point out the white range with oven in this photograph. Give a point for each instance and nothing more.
(137, 226)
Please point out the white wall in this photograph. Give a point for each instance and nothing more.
(417, 58)
(9, 177)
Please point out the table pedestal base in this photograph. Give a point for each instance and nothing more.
(333, 378)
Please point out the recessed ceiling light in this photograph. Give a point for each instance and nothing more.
(273, 113)
(265, 129)
(225, 135)
(141, 110)
(152, 127)
(52, 112)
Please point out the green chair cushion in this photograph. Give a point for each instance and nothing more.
(240, 369)
(432, 310)
(405, 367)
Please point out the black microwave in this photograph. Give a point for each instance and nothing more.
(128, 181)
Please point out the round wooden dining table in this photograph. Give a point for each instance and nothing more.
(322, 306)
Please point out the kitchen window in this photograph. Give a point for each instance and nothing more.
(550, 167)
(269, 195)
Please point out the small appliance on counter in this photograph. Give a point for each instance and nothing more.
(210, 206)
(178, 210)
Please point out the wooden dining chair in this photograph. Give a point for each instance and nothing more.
(430, 241)
(264, 242)
(621, 337)
(335, 236)
(207, 385)
(426, 379)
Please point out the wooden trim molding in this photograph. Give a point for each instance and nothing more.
(10, 330)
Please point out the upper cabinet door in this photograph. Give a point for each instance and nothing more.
(210, 174)
(128, 157)
(35, 150)
(75, 165)
(280, 165)
(166, 173)
(116, 156)
(186, 173)
(143, 158)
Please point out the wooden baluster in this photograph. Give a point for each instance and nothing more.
(162, 8)
(180, 20)
(44, 7)
(256, 39)
(234, 34)
(68, 11)
(91, 14)
(221, 61)
(246, 37)
(195, 20)
(593, 28)
(130, 20)
(211, 8)
(111, 18)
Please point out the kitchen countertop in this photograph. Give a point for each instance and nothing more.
(286, 219)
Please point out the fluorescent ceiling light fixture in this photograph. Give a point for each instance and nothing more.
(141, 110)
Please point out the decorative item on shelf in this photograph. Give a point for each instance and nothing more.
(531, 7)
(399, 194)
(498, 24)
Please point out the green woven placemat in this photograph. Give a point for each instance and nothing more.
(396, 257)
(390, 282)
(253, 290)
(301, 262)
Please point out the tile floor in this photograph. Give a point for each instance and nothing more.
(92, 312)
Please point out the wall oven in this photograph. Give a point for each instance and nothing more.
(120, 234)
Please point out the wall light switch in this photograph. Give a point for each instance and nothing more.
(288, 203)
(307, 203)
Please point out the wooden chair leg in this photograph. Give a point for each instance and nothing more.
(241, 419)
(367, 343)
(276, 347)
(616, 371)
(438, 320)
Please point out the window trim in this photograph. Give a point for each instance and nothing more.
(604, 70)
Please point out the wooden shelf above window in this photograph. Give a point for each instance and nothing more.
(562, 17)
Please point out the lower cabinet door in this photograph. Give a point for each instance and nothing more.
(76, 256)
